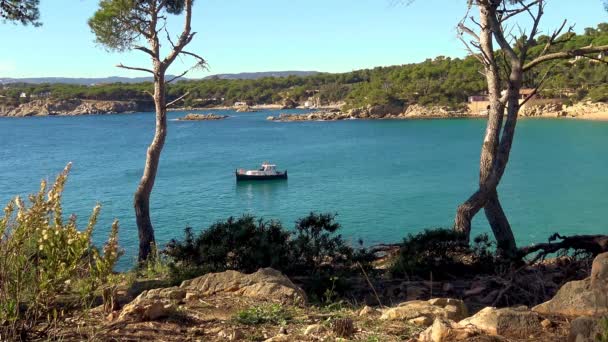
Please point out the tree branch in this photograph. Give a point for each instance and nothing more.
(134, 68)
(177, 100)
(564, 55)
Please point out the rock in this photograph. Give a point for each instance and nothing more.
(545, 323)
(599, 271)
(511, 322)
(282, 331)
(231, 335)
(314, 329)
(145, 310)
(443, 330)
(266, 283)
(270, 118)
(202, 117)
(44, 107)
(584, 329)
(588, 297)
(423, 321)
(454, 309)
(280, 338)
(368, 311)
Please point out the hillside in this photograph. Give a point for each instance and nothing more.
(440, 81)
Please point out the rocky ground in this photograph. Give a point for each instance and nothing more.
(581, 110)
(45, 107)
(267, 306)
(378, 112)
(202, 117)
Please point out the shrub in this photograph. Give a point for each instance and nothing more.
(599, 94)
(247, 244)
(442, 252)
(42, 256)
(271, 313)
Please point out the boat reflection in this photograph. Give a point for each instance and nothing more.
(264, 190)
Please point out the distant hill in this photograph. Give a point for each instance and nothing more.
(117, 79)
(83, 81)
(257, 75)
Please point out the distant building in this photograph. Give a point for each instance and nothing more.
(478, 98)
(240, 104)
(23, 95)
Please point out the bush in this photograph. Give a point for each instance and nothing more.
(271, 313)
(599, 94)
(247, 244)
(42, 257)
(442, 252)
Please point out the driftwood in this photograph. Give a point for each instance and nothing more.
(592, 244)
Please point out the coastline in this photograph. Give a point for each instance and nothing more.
(588, 111)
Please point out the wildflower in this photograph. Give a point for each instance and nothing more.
(41, 247)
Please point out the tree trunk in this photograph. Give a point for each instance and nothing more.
(505, 241)
(144, 190)
(486, 196)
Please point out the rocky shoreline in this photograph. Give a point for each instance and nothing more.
(583, 110)
(73, 107)
(382, 112)
(202, 117)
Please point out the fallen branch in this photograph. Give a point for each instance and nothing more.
(594, 244)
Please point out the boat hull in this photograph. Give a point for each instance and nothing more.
(243, 177)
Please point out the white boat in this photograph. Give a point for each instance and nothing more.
(266, 172)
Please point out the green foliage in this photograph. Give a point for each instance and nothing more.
(264, 314)
(25, 12)
(603, 328)
(42, 256)
(599, 94)
(442, 252)
(247, 244)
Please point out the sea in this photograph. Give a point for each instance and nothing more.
(384, 179)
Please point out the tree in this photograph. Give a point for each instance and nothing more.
(505, 69)
(23, 11)
(120, 25)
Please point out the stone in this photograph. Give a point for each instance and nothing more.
(267, 284)
(314, 329)
(270, 118)
(202, 117)
(283, 331)
(599, 271)
(280, 338)
(143, 311)
(368, 311)
(587, 297)
(449, 308)
(424, 321)
(545, 323)
(584, 329)
(231, 335)
(510, 322)
(444, 330)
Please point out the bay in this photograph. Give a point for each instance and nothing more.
(384, 179)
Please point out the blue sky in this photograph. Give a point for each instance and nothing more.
(265, 35)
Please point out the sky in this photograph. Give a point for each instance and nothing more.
(265, 35)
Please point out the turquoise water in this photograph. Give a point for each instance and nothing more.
(384, 178)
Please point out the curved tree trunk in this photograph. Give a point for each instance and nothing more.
(142, 194)
(486, 196)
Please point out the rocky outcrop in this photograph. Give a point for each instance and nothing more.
(423, 313)
(377, 113)
(588, 297)
(265, 284)
(443, 330)
(581, 110)
(586, 329)
(45, 107)
(202, 117)
(513, 322)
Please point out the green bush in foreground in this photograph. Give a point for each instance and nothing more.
(245, 244)
(43, 256)
(442, 252)
(264, 314)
